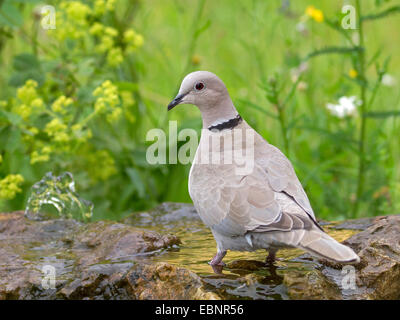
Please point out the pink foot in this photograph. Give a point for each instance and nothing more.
(217, 260)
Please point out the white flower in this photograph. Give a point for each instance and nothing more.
(346, 107)
(388, 80)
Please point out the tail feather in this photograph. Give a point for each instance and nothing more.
(324, 246)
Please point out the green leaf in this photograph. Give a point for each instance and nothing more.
(10, 15)
(202, 29)
(383, 114)
(14, 140)
(375, 56)
(25, 61)
(137, 181)
(5, 33)
(139, 157)
(382, 14)
(12, 118)
(27, 66)
(19, 78)
(333, 50)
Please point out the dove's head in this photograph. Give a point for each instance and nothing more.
(205, 90)
(201, 88)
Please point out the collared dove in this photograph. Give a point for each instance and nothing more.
(263, 208)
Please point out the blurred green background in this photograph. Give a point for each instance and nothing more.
(82, 97)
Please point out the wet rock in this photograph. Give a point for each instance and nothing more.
(116, 241)
(167, 215)
(161, 281)
(100, 260)
(250, 265)
(378, 274)
(164, 281)
(355, 224)
(310, 285)
(376, 277)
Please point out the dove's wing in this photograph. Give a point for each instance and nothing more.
(280, 174)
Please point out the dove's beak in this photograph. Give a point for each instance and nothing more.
(178, 99)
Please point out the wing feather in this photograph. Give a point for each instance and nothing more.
(280, 173)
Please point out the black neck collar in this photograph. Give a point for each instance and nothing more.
(230, 124)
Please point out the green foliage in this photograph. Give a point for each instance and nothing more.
(82, 97)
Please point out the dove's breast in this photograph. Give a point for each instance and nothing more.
(206, 183)
(212, 171)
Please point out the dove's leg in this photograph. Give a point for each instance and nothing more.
(217, 260)
(271, 256)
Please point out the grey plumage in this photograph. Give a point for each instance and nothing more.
(265, 208)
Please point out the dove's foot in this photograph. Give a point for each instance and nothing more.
(271, 257)
(217, 260)
(217, 269)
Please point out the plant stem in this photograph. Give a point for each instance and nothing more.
(363, 127)
(282, 121)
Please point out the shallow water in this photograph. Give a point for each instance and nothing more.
(247, 279)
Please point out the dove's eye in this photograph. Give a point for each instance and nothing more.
(199, 86)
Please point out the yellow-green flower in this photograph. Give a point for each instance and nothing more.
(106, 43)
(107, 101)
(76, 11)
(43, 155)
(37, 103)
(10, 186)
(353, 73)
(315, 14)
(110, 4)
(60, 104)
(129, 35)
(100, 105)
(133, 40)
(138, 41)
(72, 20)
(127, 98)
(57, 130)
(101, 6)
(96, 29)
(29, 101)
(114, 115)
(27, 92)
(111, 31)
(115, 57)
